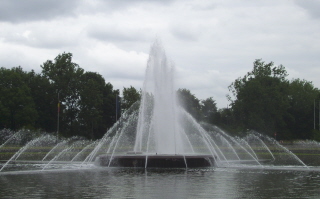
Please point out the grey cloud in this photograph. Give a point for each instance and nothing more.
(184, 34)
(16, 11)
(39, 38)
(110, 6)
(311, 6)
(113, 34)
(124, 75)
(126, 3)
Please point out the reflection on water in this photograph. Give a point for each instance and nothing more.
(161, 183)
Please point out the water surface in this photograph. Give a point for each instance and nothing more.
(99, 182)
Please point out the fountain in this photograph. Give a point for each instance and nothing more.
(165, 135)
(161, 139)
(155, 132)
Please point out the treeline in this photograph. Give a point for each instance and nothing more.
(86, 103)
(263, 100)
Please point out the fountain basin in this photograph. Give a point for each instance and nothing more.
(156, 160)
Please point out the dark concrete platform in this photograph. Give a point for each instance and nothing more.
(156, 161)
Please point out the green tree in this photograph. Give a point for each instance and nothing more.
(16, 104)
(224, 118)
(44, 98)
(91, 104)
(109, 105)
(261, 98)
(302, 96)
(209, 109)
(65, 76)
(87, 102)
(130, 96)
(190, 103)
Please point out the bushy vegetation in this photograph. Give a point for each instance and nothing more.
(85, 102)
(264, 100)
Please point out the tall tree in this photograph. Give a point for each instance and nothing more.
(44, 97)
(65, 76)
(16, 104)
(302, 96)
(130, 96)
(91, 104)
(111, 112)
(261, 101)
(209, 109)
(190, 103)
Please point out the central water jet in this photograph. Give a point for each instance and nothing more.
(158, 128)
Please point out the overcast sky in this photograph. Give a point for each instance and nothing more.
(211, 43)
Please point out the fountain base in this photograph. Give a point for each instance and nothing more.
(156, 161)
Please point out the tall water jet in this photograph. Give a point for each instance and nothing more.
(158, 118)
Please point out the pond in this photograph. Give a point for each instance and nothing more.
(103, 182)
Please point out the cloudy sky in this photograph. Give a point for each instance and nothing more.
(210, 42)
